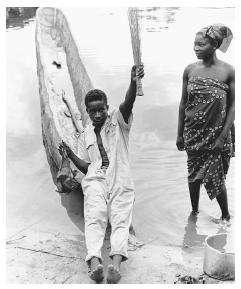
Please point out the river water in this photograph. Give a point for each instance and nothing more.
(162, 204)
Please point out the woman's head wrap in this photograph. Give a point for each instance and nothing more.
(219, 33)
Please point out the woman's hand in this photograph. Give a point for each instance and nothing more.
(218, 145)
(180, 143)
(137, 72)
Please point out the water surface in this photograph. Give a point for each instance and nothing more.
(162, 204)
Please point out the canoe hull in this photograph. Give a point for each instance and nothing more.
(59, 68)
(55, 44)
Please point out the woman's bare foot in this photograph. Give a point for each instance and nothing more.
(194, 212)
(113, 275)
(226, 217)
(96, 270)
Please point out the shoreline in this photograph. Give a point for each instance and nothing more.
(41, 257)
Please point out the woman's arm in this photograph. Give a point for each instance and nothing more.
(181, 114)
(230, 106)
(230, 112)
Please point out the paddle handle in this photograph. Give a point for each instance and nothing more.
(139, 90)
(135, 28)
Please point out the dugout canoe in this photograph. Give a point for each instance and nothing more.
(60, 69)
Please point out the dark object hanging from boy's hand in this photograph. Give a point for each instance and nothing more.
(66, 181)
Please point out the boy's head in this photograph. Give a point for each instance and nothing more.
(96, 106)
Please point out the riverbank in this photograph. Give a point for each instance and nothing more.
(49, 257)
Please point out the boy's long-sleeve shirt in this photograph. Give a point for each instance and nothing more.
(115, 138)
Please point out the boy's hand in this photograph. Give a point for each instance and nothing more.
(64, 149)
(137, 72)
(180, 143)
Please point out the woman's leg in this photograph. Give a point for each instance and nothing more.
(194, 191)
(222, 200)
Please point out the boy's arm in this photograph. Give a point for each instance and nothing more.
(181, 114)
(80, 164)
(126, 106)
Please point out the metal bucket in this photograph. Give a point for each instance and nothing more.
(219, 257)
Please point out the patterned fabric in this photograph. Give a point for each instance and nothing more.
(210, 168)
(219, 32)
(205, 116)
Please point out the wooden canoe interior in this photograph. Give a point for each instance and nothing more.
(59, 69)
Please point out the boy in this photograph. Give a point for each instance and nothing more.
(108, 187)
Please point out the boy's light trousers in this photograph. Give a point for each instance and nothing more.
(101, 205)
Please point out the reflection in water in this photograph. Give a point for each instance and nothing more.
(222, 242)
(156, 19)
(191, 236)
(193, 242)
(18, 17)
(74, 205)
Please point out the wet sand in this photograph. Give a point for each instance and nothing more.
(41, 255)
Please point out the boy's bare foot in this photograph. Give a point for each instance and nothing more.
(97, 274)
(113, 275)
(96, 270)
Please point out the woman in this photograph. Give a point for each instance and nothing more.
(206, 117)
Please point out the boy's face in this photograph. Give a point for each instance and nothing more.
(98, 112)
